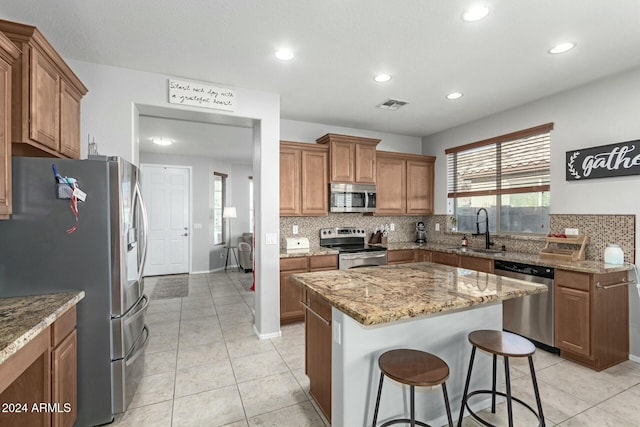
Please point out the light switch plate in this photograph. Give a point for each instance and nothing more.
(295, 229)
(437, 226)
(271, 238)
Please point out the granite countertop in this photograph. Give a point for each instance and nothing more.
(378, 295)
(316, 250)
(597, 267)
(23, 318)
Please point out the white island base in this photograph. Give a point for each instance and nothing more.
(355, 373)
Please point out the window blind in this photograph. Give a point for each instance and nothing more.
(518, 162)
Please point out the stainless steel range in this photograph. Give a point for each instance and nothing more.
(353, 251)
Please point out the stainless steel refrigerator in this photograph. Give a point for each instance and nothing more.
(104, 256)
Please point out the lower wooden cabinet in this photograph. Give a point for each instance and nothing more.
(423, 256)
(42, 378)
(484, 265)
(318, 352)
(592, 318)
(444, 258)
(401, 256)
(292, 295)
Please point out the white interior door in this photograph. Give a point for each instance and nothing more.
(166, 194)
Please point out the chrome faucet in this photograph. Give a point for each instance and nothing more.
(487, 240)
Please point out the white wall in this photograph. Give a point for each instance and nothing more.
(291, 130)
(602, 112)
(109, 114)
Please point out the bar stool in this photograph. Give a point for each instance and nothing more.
(412, 368)
(505, 344)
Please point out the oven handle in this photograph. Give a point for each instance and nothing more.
(367, 255)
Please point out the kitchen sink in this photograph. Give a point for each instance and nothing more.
(482, 251)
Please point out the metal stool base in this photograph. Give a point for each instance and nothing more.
(404, 421)
(499, 393)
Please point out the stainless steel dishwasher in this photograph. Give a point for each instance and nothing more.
(530, 316)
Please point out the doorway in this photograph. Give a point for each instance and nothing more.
(167, 194)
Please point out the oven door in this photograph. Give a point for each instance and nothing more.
(362, 259)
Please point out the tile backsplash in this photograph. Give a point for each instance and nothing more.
(601, 229)
(309, 227)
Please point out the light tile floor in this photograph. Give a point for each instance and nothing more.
(206, 367)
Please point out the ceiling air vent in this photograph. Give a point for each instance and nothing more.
(392, 104)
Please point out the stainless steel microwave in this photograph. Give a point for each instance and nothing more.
(352, 198)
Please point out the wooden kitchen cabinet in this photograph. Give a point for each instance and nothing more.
(591, 318)
(44, 371)
(444, 258)
(484, 265)
(303, 179)
(391, 189)
(8, 54)
(400, 256)
(404, 184)
(352, 158)
(423, 256)
(291, 295)
(318, 352)
(46, 97)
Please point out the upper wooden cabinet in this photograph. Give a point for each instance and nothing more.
(404, 184)
(353, 159)
(45, 96)
(8, 54)
(304, 190)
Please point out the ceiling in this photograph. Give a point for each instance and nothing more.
(497, 63)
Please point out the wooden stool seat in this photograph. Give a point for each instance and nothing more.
(414, 367)
(502, 343)
(505, 344)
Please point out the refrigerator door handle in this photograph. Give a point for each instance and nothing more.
(145, 227)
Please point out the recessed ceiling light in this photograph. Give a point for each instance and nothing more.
(562, 47)
(475, 13)
(162, 141)
(454, 95)
(284, 54)
(381, 78)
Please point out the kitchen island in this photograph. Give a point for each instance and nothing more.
(424, 306)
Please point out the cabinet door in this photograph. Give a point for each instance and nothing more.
(572, 320)
(484, 265)
(289, 182)
(291, 310)
(365, 164)
(69, 121)
(5, 140)
(323, 262)
(419, 187)
(65, 381)
(445, 258)
(314, 192)
(318, 353)
(45, 101)
(401, 256)
(342, 161)
(423, 256)
(391, 190)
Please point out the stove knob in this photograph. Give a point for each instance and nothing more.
(329, 232)
(353, 231)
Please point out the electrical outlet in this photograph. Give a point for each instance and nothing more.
(295, 229)
(221, 255)
(437, 226)
(392, 227)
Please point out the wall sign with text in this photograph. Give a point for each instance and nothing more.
(199, 95)
(619, 159)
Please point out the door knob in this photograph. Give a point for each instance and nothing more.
(185, 234)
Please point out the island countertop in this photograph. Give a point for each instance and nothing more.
(23, 318)
(378, 295)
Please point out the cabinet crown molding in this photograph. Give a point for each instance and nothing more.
(346, 138)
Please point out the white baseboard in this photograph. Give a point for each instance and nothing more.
(266, 336)
(634, 358)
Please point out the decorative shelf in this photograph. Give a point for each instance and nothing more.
(552, 251)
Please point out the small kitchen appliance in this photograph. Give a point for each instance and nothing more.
(421, 233)
(353, 252)
(352, 198)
